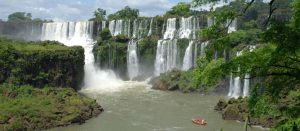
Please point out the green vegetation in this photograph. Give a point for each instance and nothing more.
(32, 75)
(19, 16)
(274, 66)
(28, 108)
(23, 17)
(99, 15)
(174, 80)
(41, 64)
(181, 9)
(125, 13)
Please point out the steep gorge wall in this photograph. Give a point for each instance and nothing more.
(41, 64)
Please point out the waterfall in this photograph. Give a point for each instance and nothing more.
(235, 84)
(135, 29)
(188, 57)
(80, 34)
(166, 53)
(112, 26)
(118, 27)
(246, 85)
(150, 30)
(129, 28)
(132, 60)
(166, 56)
(203, 46)
(232, 26)
(171, 28)
(186, 27)
(103, 25)
(247, 77)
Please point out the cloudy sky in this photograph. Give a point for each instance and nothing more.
(76, 10)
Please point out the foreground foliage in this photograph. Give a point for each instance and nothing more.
(274, 65)
(28, 108)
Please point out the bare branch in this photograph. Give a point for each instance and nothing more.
(248, 5)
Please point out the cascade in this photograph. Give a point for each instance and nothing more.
(103, 25)
(188, 57)
(129, 29)
(112, 26)
(235, 84)
(166, 53)
(150, 30)
(135, 29)
(233, 25)
(186, 27)
(203, 46)
(80, 34)
(246, 85)
(166, 56)
(196, 26)
(118, 27)
(171, 28)
(132, 60)
(247, 77)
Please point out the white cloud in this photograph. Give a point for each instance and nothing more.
(70, 10)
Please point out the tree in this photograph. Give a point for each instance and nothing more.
(125, 13)
(181, 9)
(105, 34)
(19, 16)
(274, 65)
(99, 15)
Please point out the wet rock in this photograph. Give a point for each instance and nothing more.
(222, 104)
(160, 85)
(173, 87)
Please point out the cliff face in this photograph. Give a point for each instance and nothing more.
(41, 64)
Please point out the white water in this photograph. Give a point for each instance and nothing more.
(166, 56)
(150, 30)
(232, 26)
(118, 27)
(80, 34)
(246, 85)
(103, 25)
(166, 53)
(132, 60)
(235, 84)
(171, 28)
(188, 57)
(203, 46)
(186, 27)
(112, 26)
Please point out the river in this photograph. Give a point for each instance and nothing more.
(136, 107)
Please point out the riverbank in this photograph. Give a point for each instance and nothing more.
(28, 108)
(37, 86)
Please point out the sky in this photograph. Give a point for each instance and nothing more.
(79, 10)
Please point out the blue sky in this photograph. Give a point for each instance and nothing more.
(76, 10)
